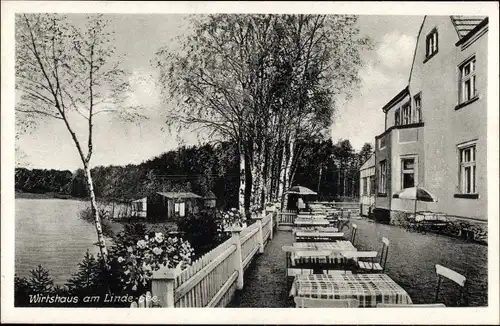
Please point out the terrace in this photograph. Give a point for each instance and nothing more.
(263, 283)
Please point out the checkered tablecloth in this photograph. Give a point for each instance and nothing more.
(335, 258)
(369, 289)
(316, 228)
(318, 235)
(311, 222)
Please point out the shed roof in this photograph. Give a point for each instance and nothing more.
(210, 195)
(178, 195)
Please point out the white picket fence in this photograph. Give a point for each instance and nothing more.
(212, 280)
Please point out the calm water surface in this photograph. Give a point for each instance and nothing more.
(49, 232)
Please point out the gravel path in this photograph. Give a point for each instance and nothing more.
(265, 281)
(411, 261)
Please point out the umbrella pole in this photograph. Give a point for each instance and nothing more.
(415, 210)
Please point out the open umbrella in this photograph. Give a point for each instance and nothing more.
(299, 190)
(416, 194)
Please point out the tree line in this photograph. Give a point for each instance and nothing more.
(330, 169)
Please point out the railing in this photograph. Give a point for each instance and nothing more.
(285, 220)
(212, 280)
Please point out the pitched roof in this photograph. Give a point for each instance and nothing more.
(178, 195)
(465, 24)
(396, 99)
(369, 162)
(210, 195)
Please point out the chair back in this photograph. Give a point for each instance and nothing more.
(395, 305)
(354, 231)
(450, 274)
(384, 253)
(301, 302)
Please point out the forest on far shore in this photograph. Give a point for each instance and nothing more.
(330, 169)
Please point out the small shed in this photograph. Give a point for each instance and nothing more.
(210, 201)
(169, 205)
(139, 207)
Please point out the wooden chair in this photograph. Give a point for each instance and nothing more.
(453, 276)
(425, 305)
(376, 267)
(353, 233)
(301, 302)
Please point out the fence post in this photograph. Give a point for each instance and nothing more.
(260, 236)
(162, 286)
(238, 264)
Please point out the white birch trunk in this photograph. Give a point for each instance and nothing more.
(288, 170)
(241, 191)
(281, 182)
(97, 219)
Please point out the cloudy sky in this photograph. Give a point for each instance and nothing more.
(384, 74)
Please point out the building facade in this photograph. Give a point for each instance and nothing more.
(435, 128)
(367, 186)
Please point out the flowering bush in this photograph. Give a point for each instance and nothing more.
(233, 218)
(136, 258)
(255, 210)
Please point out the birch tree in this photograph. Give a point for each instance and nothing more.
(265, 82)
(70, 74)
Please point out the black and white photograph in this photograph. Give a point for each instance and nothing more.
(244, 155)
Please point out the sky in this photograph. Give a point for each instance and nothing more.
(384, 73)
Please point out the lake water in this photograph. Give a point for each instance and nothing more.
(49, 232)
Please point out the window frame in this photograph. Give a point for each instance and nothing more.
(406, 114)
(382, 182)
(397, 117)
(402, 170)
(429, 53)
(364, 189)
(463, 184)
(471, 76)
(417, 118)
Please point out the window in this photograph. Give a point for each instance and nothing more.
(365, 186)
(468, 169)
(468, 80)
(397, 118)
(372, 185)
(432, 44)
(176, 207)
(381, 142)
(407, 114)
(383, 177)
(407, 173)
(417, 100)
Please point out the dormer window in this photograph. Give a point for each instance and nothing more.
(431, 44)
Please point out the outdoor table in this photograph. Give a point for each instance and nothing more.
(369, 289)
(318, 236)
(316, 228)
(299, 262)
(336, 258)
(311, 222)
(421, 221)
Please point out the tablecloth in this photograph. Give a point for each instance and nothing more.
(335, 258)
(369, 289)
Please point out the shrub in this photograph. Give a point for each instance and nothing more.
(204, 230)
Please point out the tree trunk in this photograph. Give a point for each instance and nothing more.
(241, 197)
(281, 182)
(288, 171)
(319, 178)
(97, 219)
